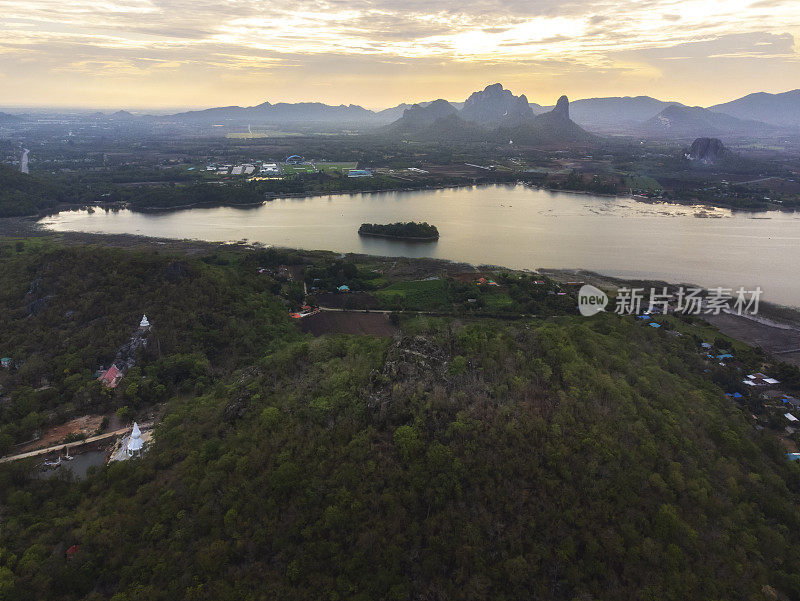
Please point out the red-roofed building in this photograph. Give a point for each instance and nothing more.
(111, 377)
(72, 551)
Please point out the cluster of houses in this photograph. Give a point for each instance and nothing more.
(242, 169)
(781, 407)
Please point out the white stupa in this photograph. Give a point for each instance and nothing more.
(144, 323)
(135, 442)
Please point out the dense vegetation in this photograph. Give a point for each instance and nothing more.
(30, 194)
(558, 459)
(411, 230)
(22, 194)
(66, 311)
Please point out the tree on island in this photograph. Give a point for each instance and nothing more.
(409, 230)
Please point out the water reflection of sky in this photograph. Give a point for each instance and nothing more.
(514, 226)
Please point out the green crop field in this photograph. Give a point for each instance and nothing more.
(642, 182)
(496, 300)
(423, 295)
(326, 166)
(293, 169)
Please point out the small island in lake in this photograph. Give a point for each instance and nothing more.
(410, 230)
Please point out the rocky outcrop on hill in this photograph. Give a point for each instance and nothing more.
(417, 116)
(491, 114)
(707, 150)
(495, 105)
(415, 361)
(551, 127)
(126, 354)
(561, 109)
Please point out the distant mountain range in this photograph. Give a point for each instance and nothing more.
(496, 111)
(495, 107)
(611, 114)
(775, 109)
(492, 114)
(282, 112)
(679, 121)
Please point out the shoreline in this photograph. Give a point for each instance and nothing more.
(117, 206)
(268, 198)
(31, 226)
(767, 331)
(11, 227)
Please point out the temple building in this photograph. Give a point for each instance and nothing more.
(111, 377)
(135, 442)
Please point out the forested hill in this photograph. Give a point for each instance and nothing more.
(564, 459)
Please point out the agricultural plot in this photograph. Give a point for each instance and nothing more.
(423, 295)
(295, 169)
(643, 182)
(335, 167)
(360, 324)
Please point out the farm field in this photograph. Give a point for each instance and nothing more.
(294, 169)
(341, 166)
(642, 182)
(421, 295)
(330, 322)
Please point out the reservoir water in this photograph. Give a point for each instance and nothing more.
(510, 225)
(79, 465)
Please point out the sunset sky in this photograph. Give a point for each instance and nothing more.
(377, 53)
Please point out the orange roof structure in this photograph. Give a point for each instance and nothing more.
(111, 377)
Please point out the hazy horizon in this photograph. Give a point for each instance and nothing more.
(148, 54)
(179, 108)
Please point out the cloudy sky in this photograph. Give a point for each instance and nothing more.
(170, 53)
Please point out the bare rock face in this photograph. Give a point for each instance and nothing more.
(707, 150)
(562, 108)
(411, 363)
(495, 105)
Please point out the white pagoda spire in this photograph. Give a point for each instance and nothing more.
(144, 323)
(135, 442)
